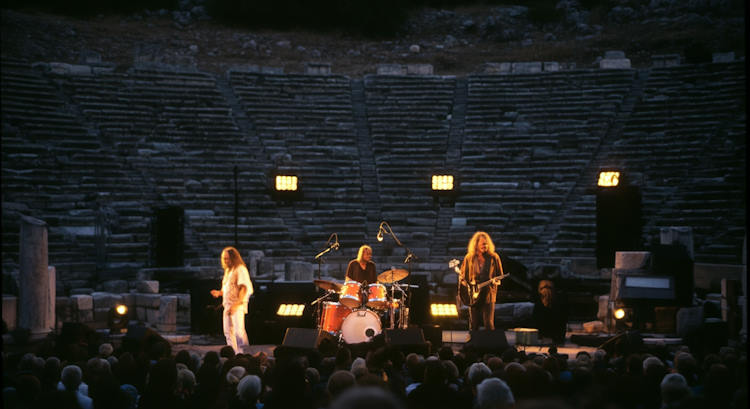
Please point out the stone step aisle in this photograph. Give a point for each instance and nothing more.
(452, 163)
(368, 169)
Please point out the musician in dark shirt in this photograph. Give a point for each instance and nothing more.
(362, 268)
(550, 315)
(480, 264)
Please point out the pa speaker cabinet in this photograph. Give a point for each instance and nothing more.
(307, 338)
(488, 341)
(407, 340)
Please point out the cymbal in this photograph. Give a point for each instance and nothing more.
(328, 285)
(392, 275)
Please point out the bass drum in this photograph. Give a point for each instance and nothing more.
(360, 326)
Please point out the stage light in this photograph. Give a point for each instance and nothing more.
(118, 319)
(619, 313)
(443, 310)
(121, 309)
(608, 179)
(286, 183)
(290, 310)
(442, 182)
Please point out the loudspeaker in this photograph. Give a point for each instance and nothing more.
(618, 222)
(77, 341)
(674, 260)
(484, 341)
(419, 305)
(169, 236)
(407, 340)
(141, 339)
(263, 324)
(307, 338)
(205, 310)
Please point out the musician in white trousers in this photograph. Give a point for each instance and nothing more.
(481, 264)
(236, 289)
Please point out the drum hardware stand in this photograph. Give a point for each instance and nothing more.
(385, 228)
(329, 247)
(317, 308)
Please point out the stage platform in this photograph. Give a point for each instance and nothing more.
(455, 339)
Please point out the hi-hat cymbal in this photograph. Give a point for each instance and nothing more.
(392, 275)
(328, 285)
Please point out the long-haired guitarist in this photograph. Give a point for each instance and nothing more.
(480, 266)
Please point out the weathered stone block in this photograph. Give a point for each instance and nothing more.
(619, 63)
(603, 311)
(60, 68)
(86, 315)
(723, 57)
(298, 271)
(147, 287)
(458, 221)
(101, 314)
(317, 68)
(419, 69)
(166, 328)
(140, 313)
(82, 302)
(391, 69)
(183, 317)
(678, 235)
(526, 67)
(152, 316)
(265, 266)
(631, 260)
(168, 310)
(614, 54)
(10, 311)
(147, 300)
(81, 291)
(115, 286)
(551, 66)
(128, 299)
(252, 259)
(105, 300)
(665, 60)
(593, 326)
(183, 301)
(689, 319)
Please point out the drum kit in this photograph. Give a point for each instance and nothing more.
(360, 312)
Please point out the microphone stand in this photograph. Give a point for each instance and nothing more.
(410, 256)
(331, 246)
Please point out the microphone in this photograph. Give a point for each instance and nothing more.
(380, 232)
(335, 245)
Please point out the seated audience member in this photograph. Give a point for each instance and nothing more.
(674, 390)
(493, 393)
(71, 377)
(366, 398)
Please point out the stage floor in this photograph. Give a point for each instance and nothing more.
(455, 339)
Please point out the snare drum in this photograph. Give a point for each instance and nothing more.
(376, 296)
(360, 326)
(332, 317)
(350, 294)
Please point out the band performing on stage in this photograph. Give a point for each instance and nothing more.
(358, 309)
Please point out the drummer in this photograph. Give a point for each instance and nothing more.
(362, 268)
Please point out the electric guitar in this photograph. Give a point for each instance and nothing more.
(469, 292)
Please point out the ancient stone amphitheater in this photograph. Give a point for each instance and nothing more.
(95, 152)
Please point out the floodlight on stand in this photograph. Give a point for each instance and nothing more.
(443, 310)
(286, 183)
(118, 319)
(608, 178)
(290, 310)
(442, 182)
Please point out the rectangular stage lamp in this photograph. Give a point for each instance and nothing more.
(286, 183)
(608, 179)
(442, 182)
(443, 310)
(290, 310)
